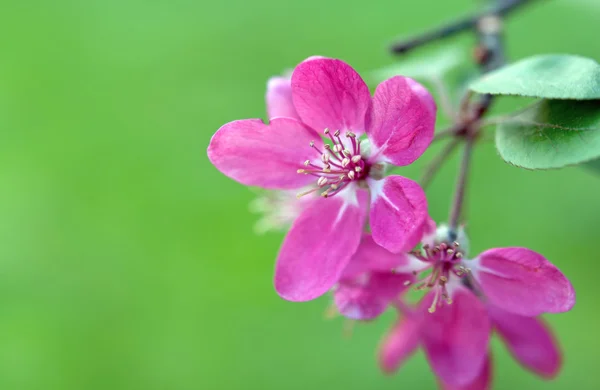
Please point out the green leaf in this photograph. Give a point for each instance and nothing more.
(594, 165)
(551, 134)
(558, 76)
(428, 67)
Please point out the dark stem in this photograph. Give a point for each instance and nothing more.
(490, 56)
(437, 162)
(501, 9)
(459, 195)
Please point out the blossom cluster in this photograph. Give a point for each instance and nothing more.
(367, 237)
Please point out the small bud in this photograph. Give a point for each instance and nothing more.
(322, 181)
(356, 159)
(345, 162)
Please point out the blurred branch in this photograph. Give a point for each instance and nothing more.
(500, 9)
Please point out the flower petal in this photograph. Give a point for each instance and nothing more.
(268, 156)
(399, 344)
(523, 282)
(367, 296)
(456, 337)
(328, 93)
(371, 257)
(279, 98)
(320, 244)
(529, 340)
(402, 121)
(482, 382)
(398, 213)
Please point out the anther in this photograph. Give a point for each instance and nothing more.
(356, 159)
(327, 146)
(455, 243)
(312, 144)
(338, 148)
(345, 162)
(306, 163)
(407, 282)
(351, 175)
(326, 131)
(459, 255)
(450, 251)
(350, 134)
(325, 158)
(301, 171)
(322, 181)
(357, 169)
(337, 133)
(347, 153)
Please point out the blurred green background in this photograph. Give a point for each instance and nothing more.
(128, 262)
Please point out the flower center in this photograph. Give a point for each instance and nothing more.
(340, 164)
(445, 264)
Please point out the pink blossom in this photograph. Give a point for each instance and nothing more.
(456, 344)
(323, 146)
(454, 319)
(514, 279)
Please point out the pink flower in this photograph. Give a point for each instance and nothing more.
(331, 100)
(514, 279)
(455, 335)
(455, 340)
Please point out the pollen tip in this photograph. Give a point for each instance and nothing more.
(301, 171)
(312, 144)
(306, 163)
(326, 131)
(327, 146)
(431, 310)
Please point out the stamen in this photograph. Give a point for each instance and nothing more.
(322, 181)
(351, 175)
(356, 159)
(345, 162)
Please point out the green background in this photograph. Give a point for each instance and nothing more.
(128, 262)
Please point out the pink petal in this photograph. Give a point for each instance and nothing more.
(456, 337)
(320, 244)
(367, 296)
(279, 98)
(371, 257)
(399, 344)
(268, 156)
(482, 382)
(402, 121)
(398, 213)
(523, 282)
(328, 93)
(529, 340)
